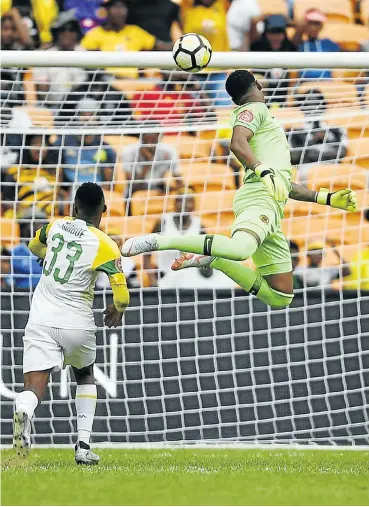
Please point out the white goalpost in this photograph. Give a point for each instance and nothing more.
(197, 360)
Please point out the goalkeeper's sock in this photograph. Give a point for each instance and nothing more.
(86, 397)
(238, 248)
(27, 401)
(253, 282)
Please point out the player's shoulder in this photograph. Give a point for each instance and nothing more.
(104, 241)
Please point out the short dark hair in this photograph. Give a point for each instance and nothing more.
(294, 246)
(239, 83)
(89, 196)
(366, 214)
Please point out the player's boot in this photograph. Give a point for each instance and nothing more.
(21, 433)
(189, 260)
(84, 455)
(141, 244)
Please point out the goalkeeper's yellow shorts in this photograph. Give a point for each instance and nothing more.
(255, 211)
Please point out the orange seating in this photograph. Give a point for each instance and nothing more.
(9, 232)
(216, 211)
(129, 226)
(151, 202)
(290, 117)
(273, 7)
(348, 35)
(335, 92)
(115, 203)
(337, 176)
(301, 209)
(205, 176)
(335, 10)
(364, 10)
(131, 86)
(189, 147)
(358, 152)
(354, 120)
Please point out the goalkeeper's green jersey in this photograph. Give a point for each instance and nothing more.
(269, 142)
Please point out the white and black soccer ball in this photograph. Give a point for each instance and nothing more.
(192, 52)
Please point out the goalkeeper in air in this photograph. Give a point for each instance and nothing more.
(259, 142)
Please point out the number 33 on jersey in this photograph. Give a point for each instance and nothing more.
(74, 252)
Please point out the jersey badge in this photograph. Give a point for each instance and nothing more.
(264, 219)
(247, 116)
(118, 264)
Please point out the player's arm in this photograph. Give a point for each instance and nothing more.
(240, 147)
(37, 245)
(341, 199)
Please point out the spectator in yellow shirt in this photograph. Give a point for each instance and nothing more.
(208, 18)
(359, 277)
(116, 35)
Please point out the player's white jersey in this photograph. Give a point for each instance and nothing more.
(76, 252)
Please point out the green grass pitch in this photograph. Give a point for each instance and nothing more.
(187, 477)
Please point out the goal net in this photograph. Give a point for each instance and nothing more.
(197, 359)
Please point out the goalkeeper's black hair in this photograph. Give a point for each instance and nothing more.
(239, 83)
(90, 197)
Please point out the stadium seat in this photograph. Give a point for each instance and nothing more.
(348, 35)
(119, 142)
(205, 176)
(216, 211)
(9, 232)
(189, 147)
(273, 7)
(130, 226)
(335, 92)
(290, 117)
(358, 152)
(335, 10)
(151, 202)
(131, 86)
(303, 230)
(337, 176)
(301, 209)
(364, 11)
(353, 119)
(39, 116)
(115, 203)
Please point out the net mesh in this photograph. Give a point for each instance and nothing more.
(196, 358)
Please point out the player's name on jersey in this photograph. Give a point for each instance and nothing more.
(72, 229)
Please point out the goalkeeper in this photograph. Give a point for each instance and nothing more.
(259, 142)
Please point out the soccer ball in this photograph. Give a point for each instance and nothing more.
(192, 52)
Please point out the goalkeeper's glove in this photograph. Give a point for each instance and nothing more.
(342, 199)
(275, 186)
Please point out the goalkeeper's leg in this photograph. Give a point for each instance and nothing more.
(274, 290)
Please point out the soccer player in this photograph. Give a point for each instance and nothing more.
(260, 144)
(61, 327)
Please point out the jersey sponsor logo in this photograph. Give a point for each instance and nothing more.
(118, 264)
(264, 219)
(246, 116)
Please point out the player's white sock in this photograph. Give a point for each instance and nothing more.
(27, 401)
(86, 396)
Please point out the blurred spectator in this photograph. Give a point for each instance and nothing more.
(316, 141)
(147, 163)
(37, 15)
(112, 106)
(182, 222)
(86, 157)
(128, 265)
(116, 35)
(314, 23)
(359, 276)
(208, 18)
(88, 13)
(241, 23)
(36, 178)
(14, 32)
(317, 275)
(53, 83)
(158, 17)
(5, 281)
(11, 93)
(274, 38)
(295, 257)
(25, 270)
(177, 98)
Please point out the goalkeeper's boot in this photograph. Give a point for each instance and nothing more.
(141, 244)
(189, 260)
(84, 455)
(21, 433)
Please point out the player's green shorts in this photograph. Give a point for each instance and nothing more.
(257, 212)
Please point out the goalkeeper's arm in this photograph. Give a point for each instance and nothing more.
(342, 199)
